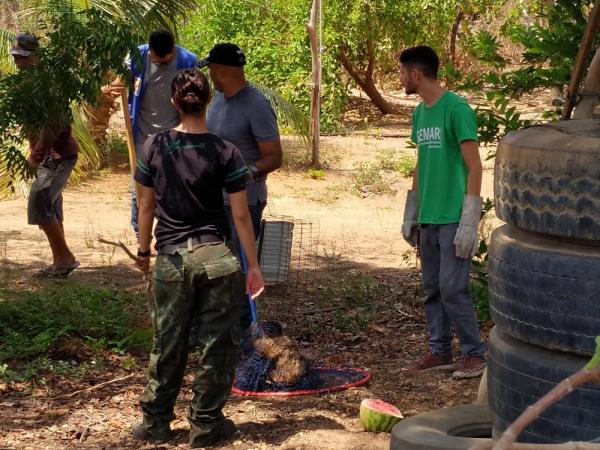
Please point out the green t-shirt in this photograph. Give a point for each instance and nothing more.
(438, 131)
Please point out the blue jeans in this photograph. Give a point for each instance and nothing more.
(256, 211)
(139, 140)
(448, 302)
(134, 211)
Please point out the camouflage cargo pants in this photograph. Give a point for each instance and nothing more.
(205, 281)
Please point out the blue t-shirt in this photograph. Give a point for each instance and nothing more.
(245, 119)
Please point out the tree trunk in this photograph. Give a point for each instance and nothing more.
(365, 80)
(99, 116)
(459, 17)
(315, 104)
(590, 91)
(586, 44)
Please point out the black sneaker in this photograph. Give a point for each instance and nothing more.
(142, 433)
(223, 432)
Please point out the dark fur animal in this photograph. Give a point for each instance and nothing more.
(287, 364)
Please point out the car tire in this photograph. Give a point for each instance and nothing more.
(519, 374)
(547, 179)
(456, 428)
(545, 291)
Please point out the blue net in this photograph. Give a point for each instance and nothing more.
(253, 376)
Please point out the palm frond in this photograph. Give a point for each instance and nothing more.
(10, 186)
(144, 15)
(89, 153)
(7, 65)
(288, 113)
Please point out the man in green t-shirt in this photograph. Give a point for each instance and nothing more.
(442, 213)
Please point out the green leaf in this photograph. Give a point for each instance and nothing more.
(287, 112)
(595, 361)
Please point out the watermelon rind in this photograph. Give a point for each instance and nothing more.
(377, 416)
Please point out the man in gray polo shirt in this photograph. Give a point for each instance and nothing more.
(242, 115)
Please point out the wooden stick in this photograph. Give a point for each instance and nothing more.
(93, 388)
(118, 244)
(315, 104)
(587, 41)
(84, 434)
(148, 293)
(590, 91)
(130, 142)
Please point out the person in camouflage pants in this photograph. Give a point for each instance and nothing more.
(211, 271)
(182, 173)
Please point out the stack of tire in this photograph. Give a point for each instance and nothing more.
(544, 278)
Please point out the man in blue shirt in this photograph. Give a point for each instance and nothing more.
(149, 99)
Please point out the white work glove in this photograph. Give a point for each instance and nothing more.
(410, 226)
(466, 239)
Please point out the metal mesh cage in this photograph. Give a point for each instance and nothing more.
(275, 249)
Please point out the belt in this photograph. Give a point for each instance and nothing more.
(171, 249)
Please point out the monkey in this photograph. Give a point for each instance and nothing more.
(288, 365)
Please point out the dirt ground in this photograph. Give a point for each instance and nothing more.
(347, 234)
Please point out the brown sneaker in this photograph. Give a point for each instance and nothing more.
(432, 361)
(469, 367)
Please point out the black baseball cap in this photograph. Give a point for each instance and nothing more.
(24, 45)
(226, 53)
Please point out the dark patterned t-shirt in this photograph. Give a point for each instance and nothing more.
(189, 173)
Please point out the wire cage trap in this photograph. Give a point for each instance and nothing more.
(288, 250)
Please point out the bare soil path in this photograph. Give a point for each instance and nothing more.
(355, 243)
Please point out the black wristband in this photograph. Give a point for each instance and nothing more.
(143, 254)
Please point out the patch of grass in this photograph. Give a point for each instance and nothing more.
(297, 155)
(351, 322)
(67, 322)
(387, 159)
(390, 159)
(315, 174)
(361, 289)
(407, 165)
(360, 293)
(4, 272)
(367, 177)
(37, 367)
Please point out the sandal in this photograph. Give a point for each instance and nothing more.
(63, 272)
(44, 272)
